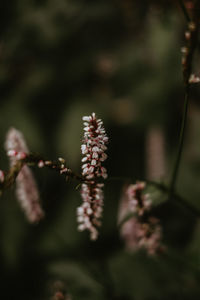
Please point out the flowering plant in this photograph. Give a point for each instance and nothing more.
(137, 223)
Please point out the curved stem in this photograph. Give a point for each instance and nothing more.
(187, 58)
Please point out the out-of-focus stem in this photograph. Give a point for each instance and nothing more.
(180, 146)
(182, 5)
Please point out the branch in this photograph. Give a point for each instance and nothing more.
(36, 160)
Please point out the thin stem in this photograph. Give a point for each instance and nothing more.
(191, 38)
(181, 141)
(182, 5)
(34, 160)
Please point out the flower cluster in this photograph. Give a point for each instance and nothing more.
(93, 149)
(89, 213)
(26, 187)
(145, 235)
(138, 202)
(139, 231)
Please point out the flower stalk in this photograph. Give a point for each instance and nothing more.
(191, 37)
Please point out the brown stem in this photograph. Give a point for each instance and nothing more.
(33, 160)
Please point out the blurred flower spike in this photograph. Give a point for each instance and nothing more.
(93, 150)
(138, 201)
(26, 187)
(141, 230)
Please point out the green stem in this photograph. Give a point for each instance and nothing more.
(191, 43)
(182, 5)
(180, 146)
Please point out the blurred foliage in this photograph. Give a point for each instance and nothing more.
(60, 60)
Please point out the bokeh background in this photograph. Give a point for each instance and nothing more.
(61, 60)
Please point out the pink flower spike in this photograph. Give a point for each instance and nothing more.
(139, 232)
(93, 146)
(26, 187)
(28, 195)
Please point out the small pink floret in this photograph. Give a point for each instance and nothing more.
(41, 164)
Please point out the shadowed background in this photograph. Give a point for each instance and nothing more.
(61, 60)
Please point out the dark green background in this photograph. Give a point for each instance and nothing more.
(60, 60)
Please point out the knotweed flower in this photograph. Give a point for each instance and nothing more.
(139, 231)
(26, 187)
(93, 149)
(138, 201)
